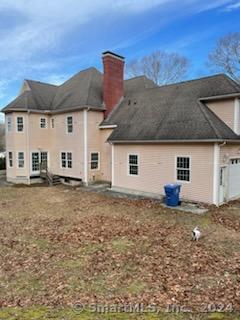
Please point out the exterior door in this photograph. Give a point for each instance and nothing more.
(38, 158)
(35, 163)
(234, 178)
(223, 185)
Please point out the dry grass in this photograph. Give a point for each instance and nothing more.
(61, 245)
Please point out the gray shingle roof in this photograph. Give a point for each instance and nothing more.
(173, 112)
(84, 88)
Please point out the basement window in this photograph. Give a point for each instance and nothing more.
(133, 164)
(183, 168)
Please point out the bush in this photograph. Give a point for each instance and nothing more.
(2, 163)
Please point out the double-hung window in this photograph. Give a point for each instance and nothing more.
(52, 123)
(133, 164)
(19, 124)
(20, 159)
(183, 168)
(43, 123)
(69, 124)
(66, 159)
(10, 159)
(9, 123)
(94, 160)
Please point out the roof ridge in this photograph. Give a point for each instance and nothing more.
(191, 80)
(81, 71)
(45, 83)
(232, 82)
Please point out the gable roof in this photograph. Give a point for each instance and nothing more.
(173, 112)
(83, 89)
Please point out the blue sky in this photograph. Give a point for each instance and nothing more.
(50, 40)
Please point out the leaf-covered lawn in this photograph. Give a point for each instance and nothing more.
(60, 245)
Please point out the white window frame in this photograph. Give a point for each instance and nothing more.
(52, 123)
(21, 160)
(10, 166)
(67, 125)
(21, 131)
(98, 161)
(9, 123)
(128, 166)
(45, 119)
(190, 168)
(66, 159)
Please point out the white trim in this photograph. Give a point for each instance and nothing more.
(236, 115)
(216, 173)
(112, 164)
(85, 145)
(66, 159)
(17, 124)
(24, 160)
(46, 123)
(128, 166)
(8, 159)
(190, 168)
(110, 126)
(98, 168)
(66, 123)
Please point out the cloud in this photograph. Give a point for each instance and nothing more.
(233, 6)
(3, 88)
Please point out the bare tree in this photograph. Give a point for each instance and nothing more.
(160, 66)
(225, 57)
(2, 136)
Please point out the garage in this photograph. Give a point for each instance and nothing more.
(234, 178)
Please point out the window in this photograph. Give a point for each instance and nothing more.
(69, 124)
(20, 159)
(133, 164)
(43, 123)
(52, 123)
(66, 159)
(9, 124)
(69, 159)
(10, 159)
(183, 168)
(94, 160)
(20, 124)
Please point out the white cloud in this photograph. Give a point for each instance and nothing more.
(3, 87)
(233, 6)
(56, 79)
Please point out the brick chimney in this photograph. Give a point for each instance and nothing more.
(113, 66)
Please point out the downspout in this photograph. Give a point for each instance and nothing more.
(28, 147)
(216, 171)
(85, 145)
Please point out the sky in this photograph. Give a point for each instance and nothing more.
(50, 40)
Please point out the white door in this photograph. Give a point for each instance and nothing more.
(35, 163)
(37, 158)
(223, 185)
(234, 178)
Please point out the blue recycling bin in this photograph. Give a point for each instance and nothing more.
(172, 192)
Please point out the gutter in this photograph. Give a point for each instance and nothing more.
(230, 95)
(171, 141)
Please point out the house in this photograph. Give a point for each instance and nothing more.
(132, 133)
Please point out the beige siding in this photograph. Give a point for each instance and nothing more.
(18, 142)
(229, 151)
(56, 140)
(157, 167)
(224, 109)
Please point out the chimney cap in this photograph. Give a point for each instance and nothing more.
(110, 53)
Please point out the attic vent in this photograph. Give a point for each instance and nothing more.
(135, 102)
